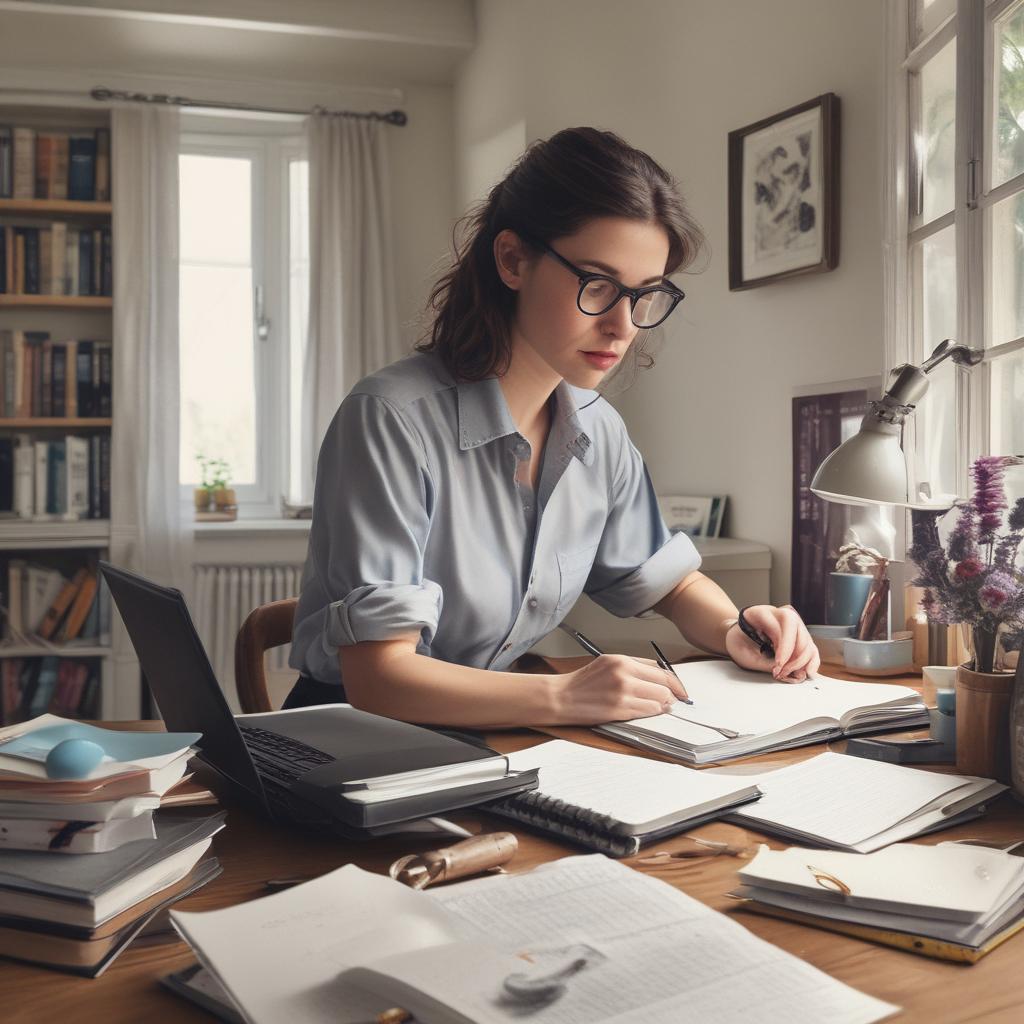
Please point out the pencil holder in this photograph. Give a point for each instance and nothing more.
(983, 723)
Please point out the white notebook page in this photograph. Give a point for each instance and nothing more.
(843, 800)
(632, 790)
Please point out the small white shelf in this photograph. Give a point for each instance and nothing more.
(59, 651)
(54, 533)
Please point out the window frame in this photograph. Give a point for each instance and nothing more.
(271, 145)
(974, 200)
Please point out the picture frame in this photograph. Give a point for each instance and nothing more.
(694, 516)
(784, 195)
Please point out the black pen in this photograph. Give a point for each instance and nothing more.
(591, 648)
(664, 663)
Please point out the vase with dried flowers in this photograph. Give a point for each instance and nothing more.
(975, 580)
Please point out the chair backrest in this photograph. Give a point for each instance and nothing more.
(268, 626)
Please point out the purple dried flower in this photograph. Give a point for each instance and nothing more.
(1015, 520)
(999, 590)
(989, 498)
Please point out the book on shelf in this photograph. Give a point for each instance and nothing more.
(56, 259)
(46, 164)
(66, 479)
(42, 602)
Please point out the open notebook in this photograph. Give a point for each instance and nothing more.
(736, 713)
(854, 804)
(616, 803)
(345, 946)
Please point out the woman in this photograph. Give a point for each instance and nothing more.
(468, 494)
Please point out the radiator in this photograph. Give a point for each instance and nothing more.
(224, 596)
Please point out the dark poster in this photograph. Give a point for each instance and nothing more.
(820, 424)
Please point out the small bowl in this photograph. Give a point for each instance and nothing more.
(877, 655)
(831, 632)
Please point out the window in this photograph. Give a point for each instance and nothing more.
(243, 303)
(957, 98)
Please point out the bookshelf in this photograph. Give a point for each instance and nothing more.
(54, 543)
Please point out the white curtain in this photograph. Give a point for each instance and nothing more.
(150, 531)
(352, 322)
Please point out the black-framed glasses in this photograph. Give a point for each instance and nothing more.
(649, 306)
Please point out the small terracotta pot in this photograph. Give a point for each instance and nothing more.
(224, 497)
(983, 723)
(202, 497)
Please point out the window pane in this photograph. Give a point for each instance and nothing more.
(298, 314)
(934, 262)
(218, 395)
(216, 209)
(1009, 93)
(934, 134)
(1007, 405)
(1006, 295)
(929, 15)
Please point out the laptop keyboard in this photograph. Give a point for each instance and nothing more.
(281, 757)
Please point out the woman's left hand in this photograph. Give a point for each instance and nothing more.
(796, 657)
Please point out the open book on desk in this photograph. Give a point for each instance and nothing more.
(736, 713)
(347, 945)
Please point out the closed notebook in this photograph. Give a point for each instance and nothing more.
(616, 803)
(736, 713)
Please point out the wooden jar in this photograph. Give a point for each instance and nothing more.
(983, 723)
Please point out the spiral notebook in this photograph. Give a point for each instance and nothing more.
(616, 803)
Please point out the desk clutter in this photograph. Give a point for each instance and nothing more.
(583, 939)
(953, 901)
(87, 862)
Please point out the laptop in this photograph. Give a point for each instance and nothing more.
(307, 766)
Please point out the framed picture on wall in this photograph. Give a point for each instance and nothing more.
(784, 195)
(698, 517)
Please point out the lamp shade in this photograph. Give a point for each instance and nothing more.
(868, 469)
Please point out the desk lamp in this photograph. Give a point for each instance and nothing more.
(870, 468)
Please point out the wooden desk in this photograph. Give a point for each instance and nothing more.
(252, 851)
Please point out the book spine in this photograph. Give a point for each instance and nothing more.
(82, 167)
(103, 165)
(83, 378)
(24, 184)
(581, 825)
(105, 476)
(59, 180)
(24, 479)
(32, 276)
(3, 258)
(44, 166)
(84, 263)
(94, 477)
(105, 390)
(6, 162)
(106, 264)
(45, 407)
(58, 257)
(58, 403)
(7, 474)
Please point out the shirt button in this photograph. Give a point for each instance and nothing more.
(533, 602)
(522, 449)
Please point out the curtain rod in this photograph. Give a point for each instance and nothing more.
(395, 117)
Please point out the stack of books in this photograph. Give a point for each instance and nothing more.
(954, 901)
(44, 377)
(54, 165)
(85, 863)
(56, 260)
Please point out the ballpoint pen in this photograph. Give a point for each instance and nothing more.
(666, 665)
(591, 648)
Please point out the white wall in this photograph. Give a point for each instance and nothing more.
(674, 78)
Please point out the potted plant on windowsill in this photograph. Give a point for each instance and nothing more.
(974, 580)
(203, 494)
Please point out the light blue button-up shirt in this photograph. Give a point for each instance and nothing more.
(424, 522)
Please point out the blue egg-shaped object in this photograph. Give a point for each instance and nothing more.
(73, 759)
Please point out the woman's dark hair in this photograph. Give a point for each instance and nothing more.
(555, 187)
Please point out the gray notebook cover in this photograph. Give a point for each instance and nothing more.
(84, 876)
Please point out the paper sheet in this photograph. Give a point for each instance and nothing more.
(668, 957)
(843, 800)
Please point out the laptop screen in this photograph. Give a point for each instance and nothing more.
(179, 672)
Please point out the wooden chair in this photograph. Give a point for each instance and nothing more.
(268, 626)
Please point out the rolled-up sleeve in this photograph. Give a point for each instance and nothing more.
(372, 504)
(638, 561)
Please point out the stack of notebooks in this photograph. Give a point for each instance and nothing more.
(954, 901)
(855, 804)
(616, 803)
(84, 863)
(736, 713)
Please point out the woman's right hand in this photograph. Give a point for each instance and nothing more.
(615, 688)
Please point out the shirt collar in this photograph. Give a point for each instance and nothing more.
(484, 416)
